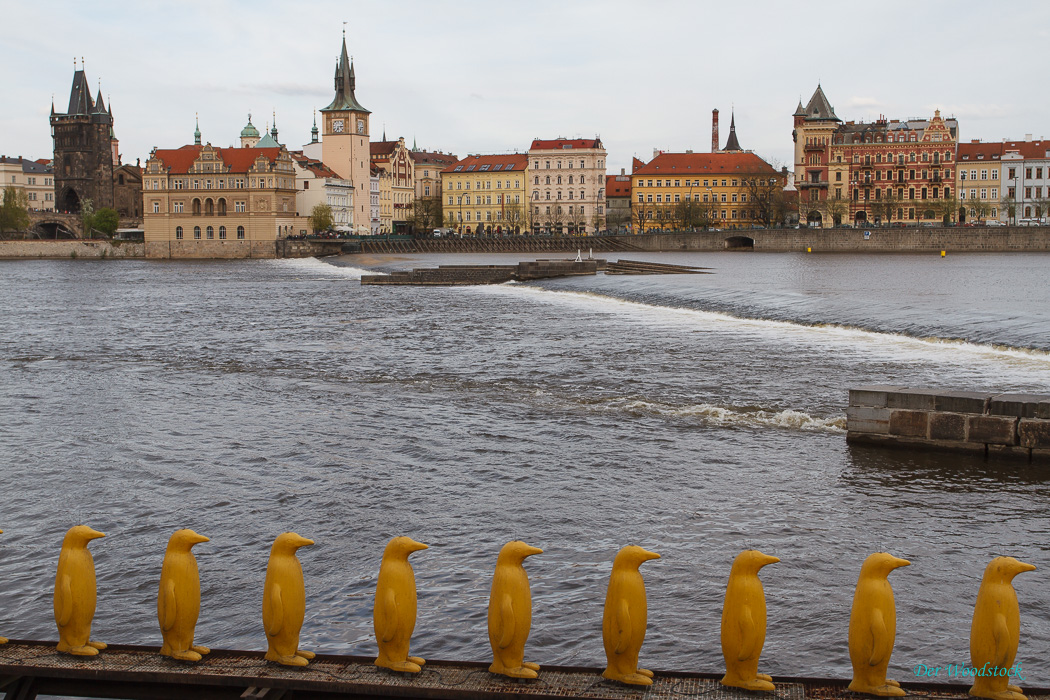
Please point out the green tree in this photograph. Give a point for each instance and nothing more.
(321, 218)
(106, 220)
(14, 213)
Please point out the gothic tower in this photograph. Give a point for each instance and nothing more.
(83, 153)
(344, 144)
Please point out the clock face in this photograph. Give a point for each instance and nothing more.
(337, 126)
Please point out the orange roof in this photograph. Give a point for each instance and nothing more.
(970, 152)
(636, 163)
(704, 164)
(567, 144)
(435, 158)
(489, 164)
(239, 160)
(318, 168)
(617, 188)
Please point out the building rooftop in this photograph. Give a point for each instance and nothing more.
(489, 163)
(566, 144)
(237, 160)
(617, 188)
(33, 167)
(738, 163)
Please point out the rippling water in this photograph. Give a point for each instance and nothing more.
(693, 415)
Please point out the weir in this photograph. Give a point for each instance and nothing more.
(28, 668)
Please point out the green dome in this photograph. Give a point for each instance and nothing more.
(249, 131)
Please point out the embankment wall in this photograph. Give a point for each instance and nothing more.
(1006, 425)
(78, 249)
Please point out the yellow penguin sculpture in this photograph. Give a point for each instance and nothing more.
(624, 621)
(873, 627)
(179, 601)
(744, 623)
(394, 614)
(75, 593)
(284, 602)
(996, 630)
(3, 640)
(510, 612)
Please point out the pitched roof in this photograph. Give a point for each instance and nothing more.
(28, 166)
(80, 95)
(567, 144)
(267, 141)
(819, 107)
(238, 160)
(441, 159)
(705, 164)
(731, 143)
(489, 164)
(381, 148)
(345, 82)
(637, 163)
(617, 188)
(980, 151)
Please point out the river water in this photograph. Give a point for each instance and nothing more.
(694, 415)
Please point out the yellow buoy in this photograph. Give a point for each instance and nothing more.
(809, 250)
(943, 253)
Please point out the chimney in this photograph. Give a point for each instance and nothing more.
(1027, 137)
(714, 130)
(623, 171)
(656, 152)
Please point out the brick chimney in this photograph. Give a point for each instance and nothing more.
(714, 130)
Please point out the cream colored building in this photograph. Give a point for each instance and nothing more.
(486, 194)
(30, 176)
(567, 185)
(316, 183)
(210, 202)
(427, 169)
(394, 158)
(978, 180)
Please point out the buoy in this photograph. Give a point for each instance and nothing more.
(809, 250)
(943, 253)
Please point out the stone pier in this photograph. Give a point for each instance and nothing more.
(984, 423)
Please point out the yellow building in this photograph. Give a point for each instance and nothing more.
(689, 190)
(486, 194)
(979, 173)
(31, 176)
(395, 159)
(209, 202)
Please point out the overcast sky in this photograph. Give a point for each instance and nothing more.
(488, 76)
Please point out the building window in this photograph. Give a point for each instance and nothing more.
(240, 232)
(239, 207)
(197, 232)
(211, 233)
(156, 207)
(178, 233)
(177, 207)
(222, 233)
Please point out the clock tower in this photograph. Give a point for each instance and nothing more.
(344, 145)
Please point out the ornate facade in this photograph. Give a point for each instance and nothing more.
(486, 194)
(394, 158)
(345, 137)
(567, 187)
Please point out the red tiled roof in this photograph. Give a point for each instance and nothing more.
(473, 164)
(704, 164)
(539, 144)
(381, 148)
(239, 160)
(617, 188)
(969, 152)
(636, 163)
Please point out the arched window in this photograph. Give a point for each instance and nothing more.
(240, 233)
(178, 233)
(211, 233)
(209, 207)
(222, 233)
(197, 208)
(222, 207)
(197, 232)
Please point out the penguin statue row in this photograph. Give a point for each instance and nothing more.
(994, 633)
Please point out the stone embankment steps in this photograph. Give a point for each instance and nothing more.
(637, 267)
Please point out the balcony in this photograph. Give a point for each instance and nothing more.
(803, 184)
(815, 147)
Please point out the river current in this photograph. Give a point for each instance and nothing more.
(694, 415)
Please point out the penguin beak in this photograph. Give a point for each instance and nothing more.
(1023, 567)
(765, 559)
(897, 563)
(93, 534)
(198, 538)
(414, 546)
(303, 542)
(646, 555)
(529, 551)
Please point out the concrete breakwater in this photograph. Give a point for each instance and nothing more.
(452, 275)
(1009, 425)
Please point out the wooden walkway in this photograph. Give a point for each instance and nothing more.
(28, 668)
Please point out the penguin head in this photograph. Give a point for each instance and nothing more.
(183, 540)
(401, 547)
(751, 560)
(516, 551)
(288, 543)
(881, 564)
(631, 557)
(1003, 569)
(80, 535)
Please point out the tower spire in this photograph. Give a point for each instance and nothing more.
(197, 131)
(313, 131)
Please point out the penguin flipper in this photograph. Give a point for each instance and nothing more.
(748, 634)
(276, 611)
(168, 607)
(878, 638)
(386, 615)
(506, 622)
(1003, 644)
(63, 602)
(623, 626)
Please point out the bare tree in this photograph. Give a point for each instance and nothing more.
(765, 195)
(834, 208)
